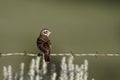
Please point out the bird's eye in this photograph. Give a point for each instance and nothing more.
(45, 32)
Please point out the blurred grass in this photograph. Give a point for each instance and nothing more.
(99, 67)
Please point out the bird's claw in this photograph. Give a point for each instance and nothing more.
(39, 54)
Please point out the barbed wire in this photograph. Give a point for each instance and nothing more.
(61, 54)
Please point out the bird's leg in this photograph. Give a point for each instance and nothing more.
(39, 54)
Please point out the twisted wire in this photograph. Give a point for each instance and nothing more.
(61, 54)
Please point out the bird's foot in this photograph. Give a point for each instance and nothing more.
(39, 54)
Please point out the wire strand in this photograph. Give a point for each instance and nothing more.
(60, 54)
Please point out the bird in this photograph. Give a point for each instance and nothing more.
(44, 44)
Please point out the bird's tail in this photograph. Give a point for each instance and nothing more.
(47, 58)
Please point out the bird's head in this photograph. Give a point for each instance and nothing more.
(45, 32)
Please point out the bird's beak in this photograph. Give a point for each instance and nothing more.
(49, 32)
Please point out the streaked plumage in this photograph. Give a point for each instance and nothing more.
(44, 44)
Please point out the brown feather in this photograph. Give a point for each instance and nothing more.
(44, 44)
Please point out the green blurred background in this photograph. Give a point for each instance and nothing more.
(80, 27)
